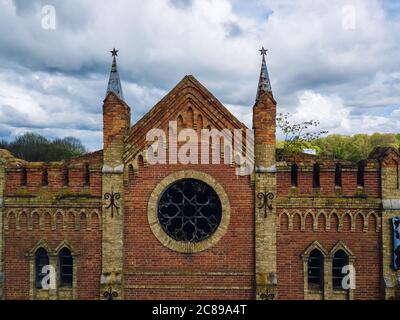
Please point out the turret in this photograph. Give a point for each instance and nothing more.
(264, 125)
(116, 123)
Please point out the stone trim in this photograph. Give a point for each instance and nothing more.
(2, 248)
(188, 287)
(187, 247)
(327, 292)
(324, 202)
(391, 204)
(312, 294)
(315, 214)
(53, 214)
(186, 273)
(60, 293)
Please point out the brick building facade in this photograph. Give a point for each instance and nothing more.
(284, 231)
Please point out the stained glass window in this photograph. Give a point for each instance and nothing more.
(189, 210)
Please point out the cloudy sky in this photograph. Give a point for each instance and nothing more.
(333, 61)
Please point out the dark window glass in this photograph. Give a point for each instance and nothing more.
(87, 175)
(294, 175)
(24, 177)
(66, 268)
(338, 175)
(340, 259)
(315, 270)
(45, 177)
(316, 176)
(189, 210)
(41, 260)
(360, 174)
(66, 176)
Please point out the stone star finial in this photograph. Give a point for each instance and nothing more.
(263, 51)
(114, 52)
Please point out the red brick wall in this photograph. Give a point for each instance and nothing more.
(116, 119)
(18, 243)
(233, 253)
(327, 183)
(264, 120)
(76, 173)
(366, 246)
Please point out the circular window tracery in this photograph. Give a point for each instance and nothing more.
(189, 210)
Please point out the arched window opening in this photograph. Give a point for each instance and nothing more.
(66, 264)
(45, 177)
(41, 260)
(66, 177)
(294, 175)
(316, 176)
(315, 270)
(338, 175)
(87, 175)
(24, 177)
(131, 172)
(340, 259)
(360, 174)
(140, 161)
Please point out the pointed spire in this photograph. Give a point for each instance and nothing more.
(114, 84)
(264, 84)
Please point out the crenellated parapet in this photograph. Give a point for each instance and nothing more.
(37, 181)
(310, 176)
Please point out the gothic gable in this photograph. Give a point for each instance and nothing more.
(191, 105)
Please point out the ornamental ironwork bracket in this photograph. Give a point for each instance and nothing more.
(265, 202)
(267, 295)
(112, 197)
(110, 294)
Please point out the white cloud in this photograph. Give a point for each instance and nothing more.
(335, 117)
(56, 80)
(328, 110)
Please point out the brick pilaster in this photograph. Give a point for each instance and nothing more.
(391, 208)
(116, 122)
(264, 121)
(2, 187)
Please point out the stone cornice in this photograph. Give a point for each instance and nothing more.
(302, 202)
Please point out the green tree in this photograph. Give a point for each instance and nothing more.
(397, 136)
(298, 136)
(354, 148)
(34, 147)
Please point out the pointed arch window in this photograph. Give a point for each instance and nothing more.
(131, 173)
(316, 176)
(66, 264)
(294, 175)
(315, 270)
(41, 260)
(340, 259)
(338, 175)
(361, 174)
